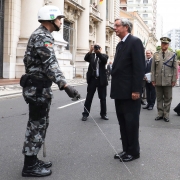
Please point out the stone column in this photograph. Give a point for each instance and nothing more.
(63, 56)
(60, 5)
(101, 26)
(83, 35)
(29, 23)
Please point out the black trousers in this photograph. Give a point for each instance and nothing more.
(150, 94)
(102, 92)
(128, 112)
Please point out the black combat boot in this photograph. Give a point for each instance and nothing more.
(33, 169)
(47, 164)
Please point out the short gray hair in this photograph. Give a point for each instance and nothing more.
(126, 22)
(149, 51)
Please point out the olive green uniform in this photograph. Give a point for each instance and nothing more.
(163, 75)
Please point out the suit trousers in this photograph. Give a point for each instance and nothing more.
(164, 98)
(128, 112)
(150, 94)
(91, 89)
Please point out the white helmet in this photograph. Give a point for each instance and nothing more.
(49, 12)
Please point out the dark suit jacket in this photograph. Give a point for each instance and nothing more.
(109, 68)
(148, 67)
(128, 69)
(89, 57)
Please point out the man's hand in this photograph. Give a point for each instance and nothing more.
(173, 84)
(72, 93)
(135, 95)
(153, 83)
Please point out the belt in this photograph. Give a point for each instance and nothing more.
(39, 82)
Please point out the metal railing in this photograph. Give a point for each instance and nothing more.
(79, 72)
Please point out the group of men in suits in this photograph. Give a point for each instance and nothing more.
(127, 74)
(163, 69)
(128, 70)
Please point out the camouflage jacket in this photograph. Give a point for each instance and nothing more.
(40, 61)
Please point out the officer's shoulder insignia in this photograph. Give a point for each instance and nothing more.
(156, 54)
(48, 44)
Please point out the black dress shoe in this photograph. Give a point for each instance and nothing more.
(119, 155)
(84, 118)
(105, 117)
(128, 158)
(44, 164)
(150, 108)
(35, 171)
(146, 107)
(158, 118)
(166, 119)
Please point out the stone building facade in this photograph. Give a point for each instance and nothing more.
(141, 30)
(86, 22)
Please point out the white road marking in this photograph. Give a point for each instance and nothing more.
(71, 104)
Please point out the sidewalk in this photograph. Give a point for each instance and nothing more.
(12, 87)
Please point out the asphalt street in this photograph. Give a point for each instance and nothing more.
(79, 150)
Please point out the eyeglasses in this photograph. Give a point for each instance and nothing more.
(117, 25)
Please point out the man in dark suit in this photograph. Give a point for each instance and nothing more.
(109, 69)
(150, 89)
(126, 87)
(96, 79)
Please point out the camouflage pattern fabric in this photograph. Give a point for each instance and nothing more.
(36, 128)
(40, 62)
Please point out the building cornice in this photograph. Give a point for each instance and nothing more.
(74, 4)
(137, 17)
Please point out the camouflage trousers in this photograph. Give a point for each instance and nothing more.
(36, 128)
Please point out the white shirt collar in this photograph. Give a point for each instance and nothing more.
(125, 37)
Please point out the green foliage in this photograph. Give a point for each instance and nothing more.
(178, 54)
(158, 48)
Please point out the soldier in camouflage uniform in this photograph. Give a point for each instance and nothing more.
(163, 77)
(41, 70)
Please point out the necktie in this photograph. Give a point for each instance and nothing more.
(95, 66)
(147, 63)
(163, 54)
(95, 62)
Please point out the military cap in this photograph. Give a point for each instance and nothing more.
(165, 40)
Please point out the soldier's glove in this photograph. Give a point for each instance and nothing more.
(72, 93)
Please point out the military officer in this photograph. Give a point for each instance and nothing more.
(42, 69)
(164, 69)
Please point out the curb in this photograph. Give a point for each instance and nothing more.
(18, 88)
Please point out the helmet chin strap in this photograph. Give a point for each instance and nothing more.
(56, 27)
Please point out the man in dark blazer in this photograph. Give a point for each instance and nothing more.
(96, 79)
(126, 87)
(150, 89)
